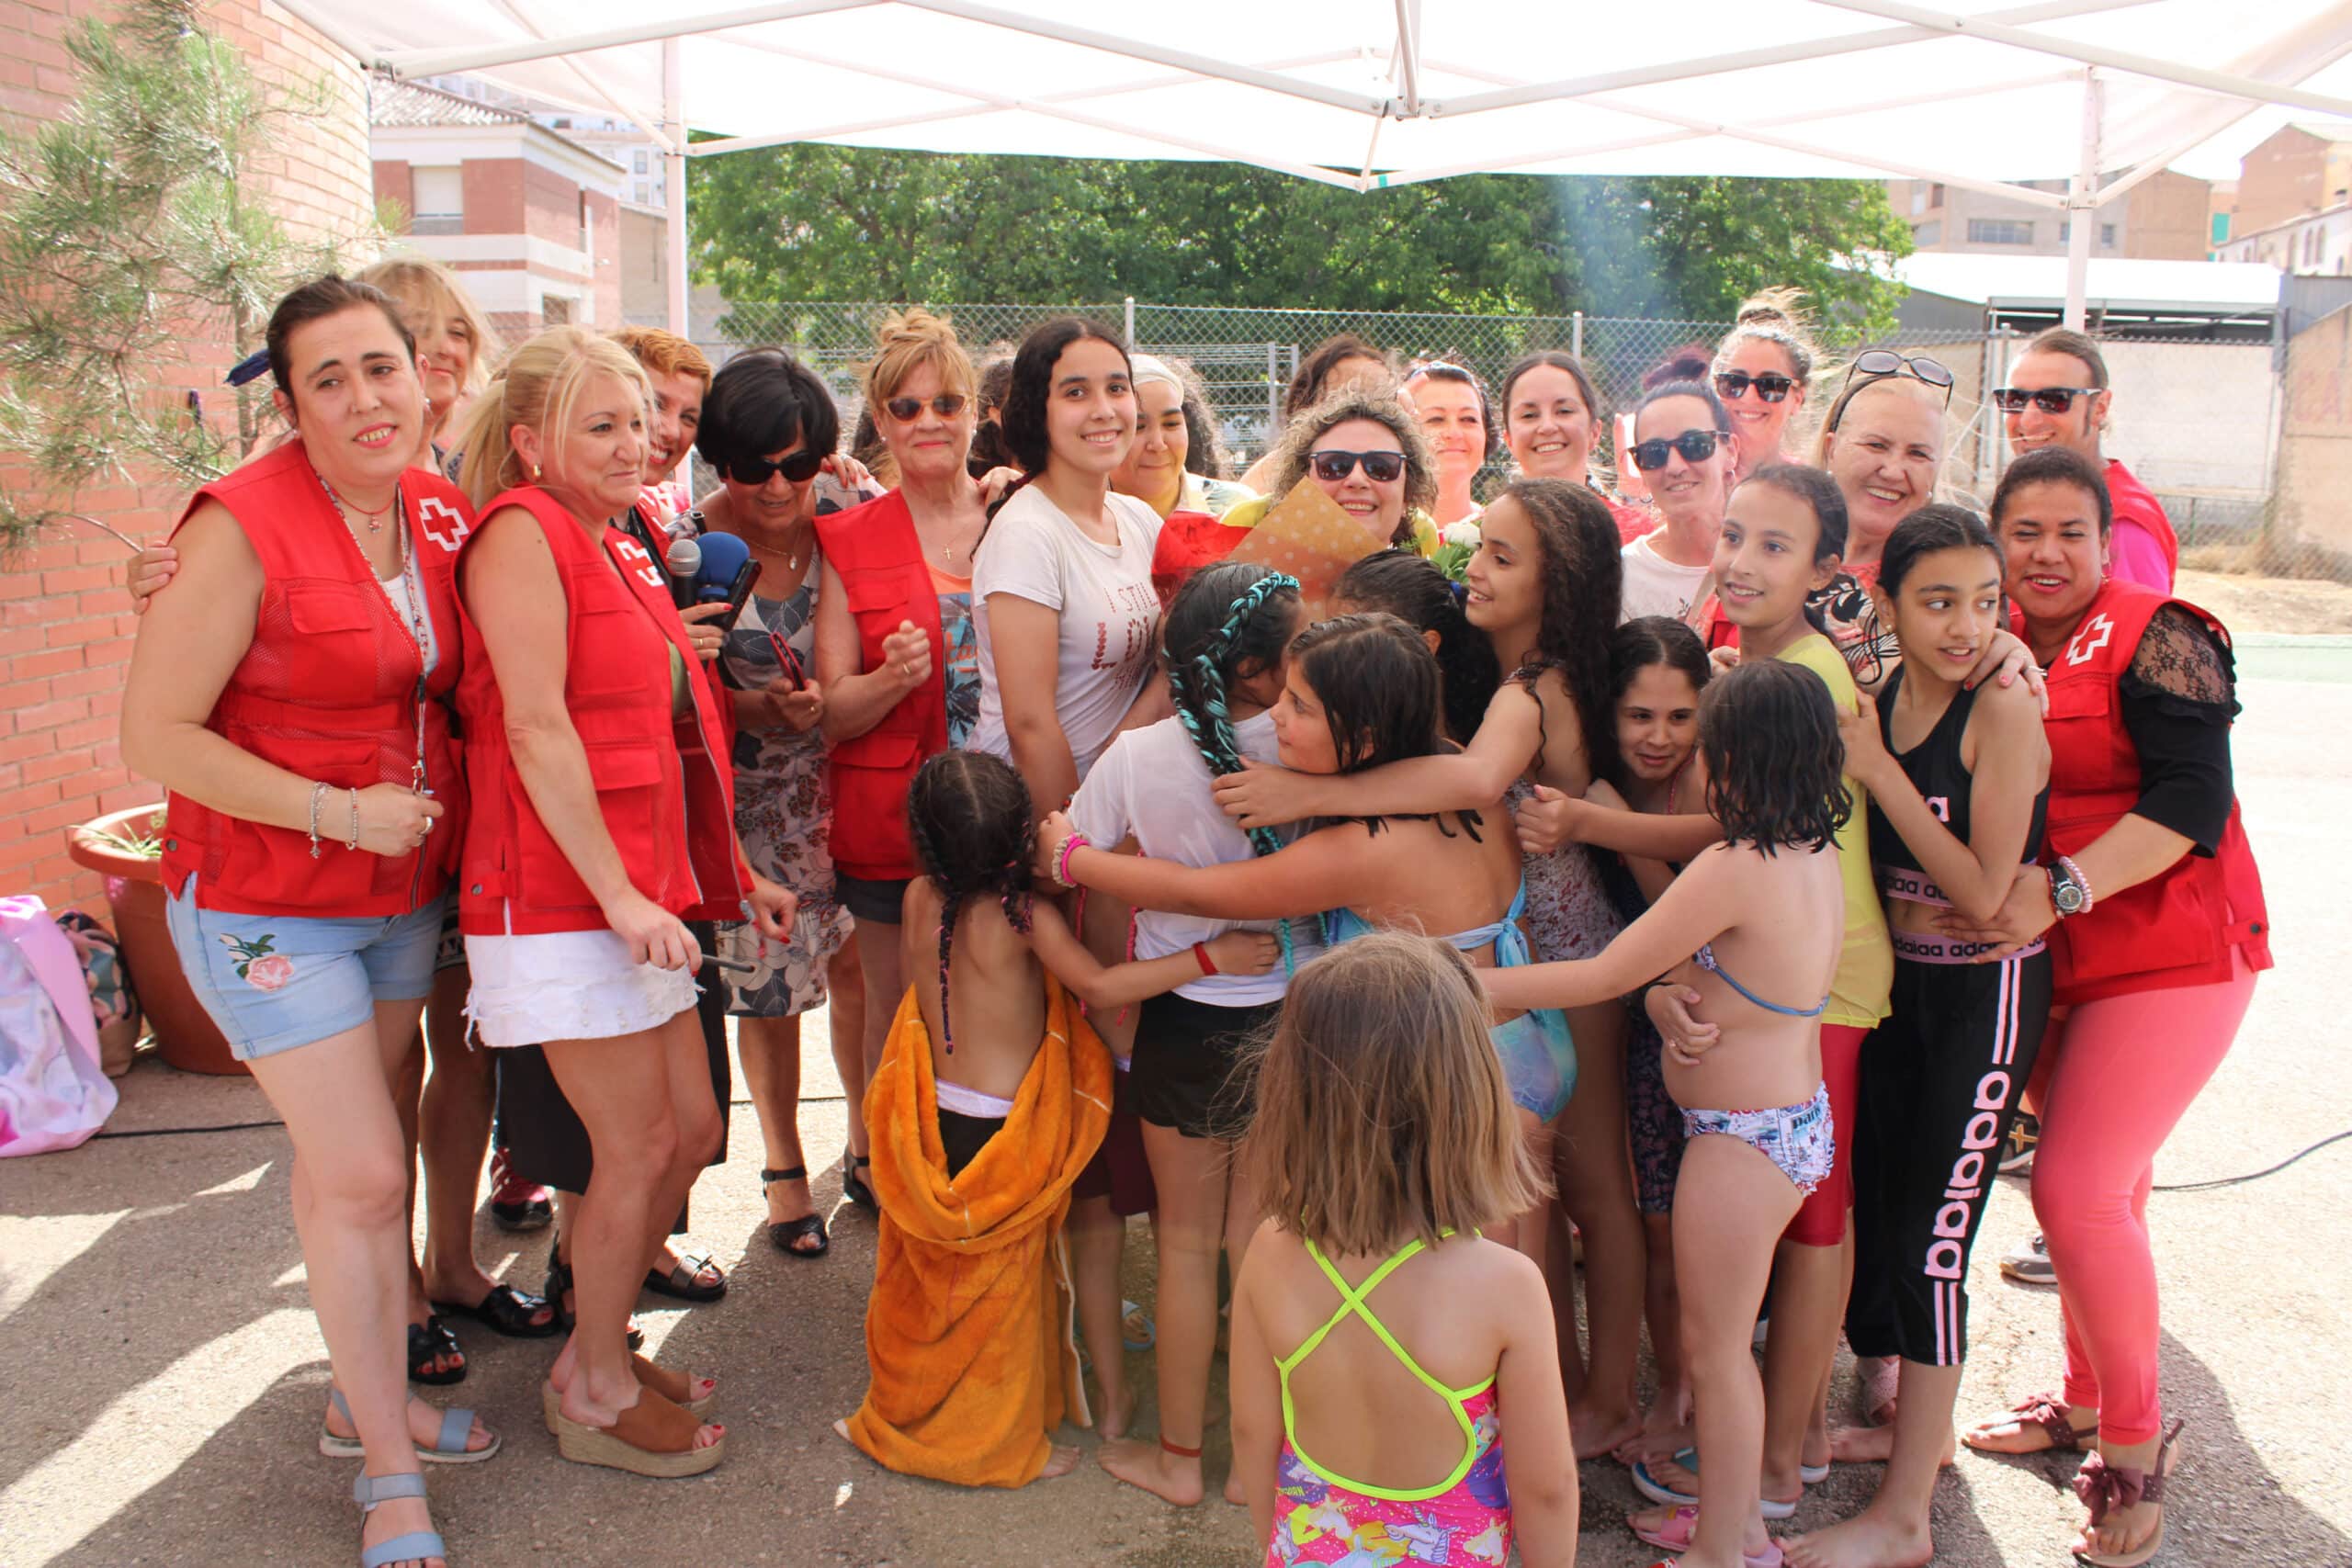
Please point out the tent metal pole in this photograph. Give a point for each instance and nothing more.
(2220, 82)
(2082, 204)
(1408, 53)
(673, 172)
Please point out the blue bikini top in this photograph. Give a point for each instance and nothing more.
(1706, 959)
(1508, 938)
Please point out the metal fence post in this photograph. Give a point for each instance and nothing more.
(1131, 323)
(1576, 334)
(1273, 380)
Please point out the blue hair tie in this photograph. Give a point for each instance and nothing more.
(1460, 591)
(252, 367)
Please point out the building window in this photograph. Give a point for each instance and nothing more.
(2105, 233)
(440, 196)
(1999, 232)
(1926, 234)
(555, 310)
(640, 160)
(1935, 195)
(1918, 198)
(585, 234)
(639, 195)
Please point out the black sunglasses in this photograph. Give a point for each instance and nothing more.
(1771, 386)
(798, 466)
(1874, 363)
(946, 405)
(1696, 446)
(2048, 399)
(1380, 467)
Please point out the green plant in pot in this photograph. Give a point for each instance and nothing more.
(126, 848)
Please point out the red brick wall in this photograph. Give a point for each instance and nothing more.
(65, 626)
(494, 195)
(396, 182)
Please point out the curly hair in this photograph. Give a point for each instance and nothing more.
(1584, 580)
(1306, 432)
(1033, 376)
(1402, 584)
(1767, 732)
(969, 816)
(1204, 452)
(1230, 620)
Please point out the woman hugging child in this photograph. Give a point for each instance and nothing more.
(977, 1137)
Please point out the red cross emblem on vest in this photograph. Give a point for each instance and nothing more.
(2090, 640)
(441, 523)
(630, 550)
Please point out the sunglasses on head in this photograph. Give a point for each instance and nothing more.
(946, 405)
(798, 466)
(1696, 446)
(1771, 386)
(2048, 399)
(1873, 364)
(1380, 467)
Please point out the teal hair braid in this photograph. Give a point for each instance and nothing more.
(1198, 690)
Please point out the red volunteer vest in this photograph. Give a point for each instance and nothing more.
(327, 690)
(874, 549)
(2135, 503)
(2177, 928)
(666, 802)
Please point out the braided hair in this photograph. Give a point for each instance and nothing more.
(969, 816)
(1228, 618)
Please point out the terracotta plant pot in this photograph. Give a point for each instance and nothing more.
(183, 1030)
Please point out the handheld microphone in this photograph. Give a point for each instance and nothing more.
(718, 563)
(683, 559)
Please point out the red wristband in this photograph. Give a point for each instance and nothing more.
(1208, 965)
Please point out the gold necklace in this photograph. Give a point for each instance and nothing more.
(374, 519)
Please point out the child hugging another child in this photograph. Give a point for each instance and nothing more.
(978, 1136)
(1754, 925)
(1379, 1342)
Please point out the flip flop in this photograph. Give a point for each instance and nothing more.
(1682, 1524)
(1657, 1491)
(1139, 1331)
(2105, 1487)
(508, 1310)
(448, 1447)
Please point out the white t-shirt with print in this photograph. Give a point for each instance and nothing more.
(1152, 783)
(1654, 585)
(1110, 616)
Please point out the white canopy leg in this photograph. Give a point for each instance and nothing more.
(2082, 205)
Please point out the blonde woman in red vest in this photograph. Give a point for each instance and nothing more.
(2156, 926)
(290, 697)
(603, 817)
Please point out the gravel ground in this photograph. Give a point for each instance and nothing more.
(165, 1372)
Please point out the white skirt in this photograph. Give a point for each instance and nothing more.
(529, 990)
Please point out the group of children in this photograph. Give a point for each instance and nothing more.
(1344, 851)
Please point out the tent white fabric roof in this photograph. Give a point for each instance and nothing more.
(1371, 93)
(2112, 281)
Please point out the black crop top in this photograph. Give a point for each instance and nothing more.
(1934, 770)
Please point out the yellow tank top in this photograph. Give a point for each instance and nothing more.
(1858, 994)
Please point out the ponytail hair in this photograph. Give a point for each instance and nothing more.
(1403, 585)
(969, 816)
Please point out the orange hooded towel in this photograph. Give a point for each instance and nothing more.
(968, 1332)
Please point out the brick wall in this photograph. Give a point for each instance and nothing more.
(65, 626)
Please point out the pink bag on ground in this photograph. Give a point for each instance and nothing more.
(53, 1093)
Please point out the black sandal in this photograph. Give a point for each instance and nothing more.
(684, 1281)
(559, 1286)
(783, 1233)
(854, 1187)
(508, 1310)
(427, 1342)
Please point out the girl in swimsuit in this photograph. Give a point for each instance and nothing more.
(1360, 690)
(1378, 1342)
(1754, 924)
(1544, 587)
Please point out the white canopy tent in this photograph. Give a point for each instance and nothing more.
(1369, 94)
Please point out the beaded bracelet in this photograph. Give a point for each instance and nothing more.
(318, 794)
(353, 843)
(1061, 858)
(2080, 881)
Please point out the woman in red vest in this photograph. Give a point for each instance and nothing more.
(2157, 924)
(604, 820)
(290, 698)
(897, 655)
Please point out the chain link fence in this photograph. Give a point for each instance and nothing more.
(2200, 421)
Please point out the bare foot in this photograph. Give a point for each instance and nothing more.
(1118, 1414)
(1141, 1461)
(1872, 1539)
(1658, 1444)
(1059, 1463)
(424, 1427)
(1871, 1445)
(1233, 1493)
(1599, 1432)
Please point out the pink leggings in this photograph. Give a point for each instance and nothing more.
(2126, 1070)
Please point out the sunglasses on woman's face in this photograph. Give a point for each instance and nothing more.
(1380, 467)
(1771, 386)
(2048, 399)
(1696, 446)
(946, 405)
(798, 466)
(1872, 363)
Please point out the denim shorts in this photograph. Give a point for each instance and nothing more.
(274, 981)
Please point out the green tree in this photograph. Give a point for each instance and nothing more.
(128, 228)
(835, 223)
